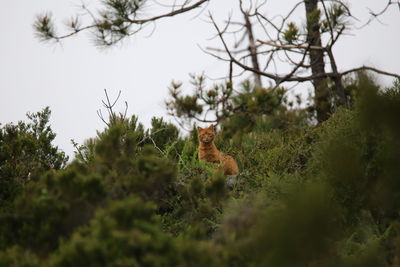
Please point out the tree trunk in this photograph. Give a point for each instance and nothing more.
(253, 51)
(321, 99)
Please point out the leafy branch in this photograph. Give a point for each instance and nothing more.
(116, 20)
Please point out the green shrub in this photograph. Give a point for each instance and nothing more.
(125, 233)
(26, 151)
(51, 209)
(17, 257)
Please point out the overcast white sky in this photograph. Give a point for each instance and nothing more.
(71, 78)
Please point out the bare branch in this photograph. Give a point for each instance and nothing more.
(149, 137)
(289, 47)
(252, 46)
(376, 15)
(234, 60)
(328, 19)
(109, 105)
(296, 67)
(232, 51)
(101, 117)
(395, 75)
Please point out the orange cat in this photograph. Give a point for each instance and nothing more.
(209, 152)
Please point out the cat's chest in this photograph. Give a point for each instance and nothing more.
(209, 156)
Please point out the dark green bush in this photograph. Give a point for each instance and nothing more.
(125, 233)
(26, 151)
(51, 209)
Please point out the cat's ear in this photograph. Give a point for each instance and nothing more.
(199, 128)
(213, 126)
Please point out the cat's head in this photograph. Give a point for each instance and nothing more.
(206, 135)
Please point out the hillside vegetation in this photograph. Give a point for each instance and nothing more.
(306, 195)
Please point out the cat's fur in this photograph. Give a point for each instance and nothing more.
(209, 152)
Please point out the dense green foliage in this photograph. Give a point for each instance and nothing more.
(326, 195)
(25, 153)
